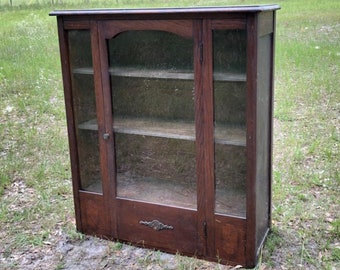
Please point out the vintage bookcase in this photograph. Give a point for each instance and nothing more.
(169, 115)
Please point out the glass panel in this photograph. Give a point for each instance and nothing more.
(84, 106)
(229, 47)
(153, 108)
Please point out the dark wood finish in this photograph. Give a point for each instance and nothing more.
(196, 227)
(208, 131)
(76, 25)
(67, 84)
(181, 27)
(182, 235)
(201, 12)
(92, 219)
(230, 235)
(108, 159)
(251, 138)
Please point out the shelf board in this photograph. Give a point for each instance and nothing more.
(228, 135)
(163, 74)
(174, 193)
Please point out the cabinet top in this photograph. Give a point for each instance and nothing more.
(191, 11)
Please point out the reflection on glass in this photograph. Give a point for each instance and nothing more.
(84, 105)
(153, 109)
(229, 48)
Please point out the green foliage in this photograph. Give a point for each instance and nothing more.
(33, 142)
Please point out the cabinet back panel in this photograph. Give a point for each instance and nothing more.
(229, 103)
(151, 49)
(158, 170)
(230, 50)
(80, 48)
(156, 98)
(230, 177)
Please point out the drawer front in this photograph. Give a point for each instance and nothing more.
(166, 228)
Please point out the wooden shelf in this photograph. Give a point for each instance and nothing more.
(172, 193)
(163, 74)
(228, 135)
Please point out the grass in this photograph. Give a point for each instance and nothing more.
(306, 186)
(34, 152)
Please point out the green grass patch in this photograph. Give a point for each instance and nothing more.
(35, 185)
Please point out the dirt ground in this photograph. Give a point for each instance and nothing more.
(94, 253)
(62, 251)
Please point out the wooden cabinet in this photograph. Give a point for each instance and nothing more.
(169, 116)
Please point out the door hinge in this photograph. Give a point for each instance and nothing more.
(205, 231)
(201, 53)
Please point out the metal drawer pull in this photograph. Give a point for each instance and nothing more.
(106, 136)
(156, 225)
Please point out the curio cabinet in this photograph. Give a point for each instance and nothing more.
(169, 115)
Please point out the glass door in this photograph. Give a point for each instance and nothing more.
(152, 91)
(84, 110)
(148, 84)
(229, 87)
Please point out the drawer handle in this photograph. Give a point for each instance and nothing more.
(156, 225)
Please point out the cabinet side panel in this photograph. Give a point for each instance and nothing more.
(266, 25)
(263, 135)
